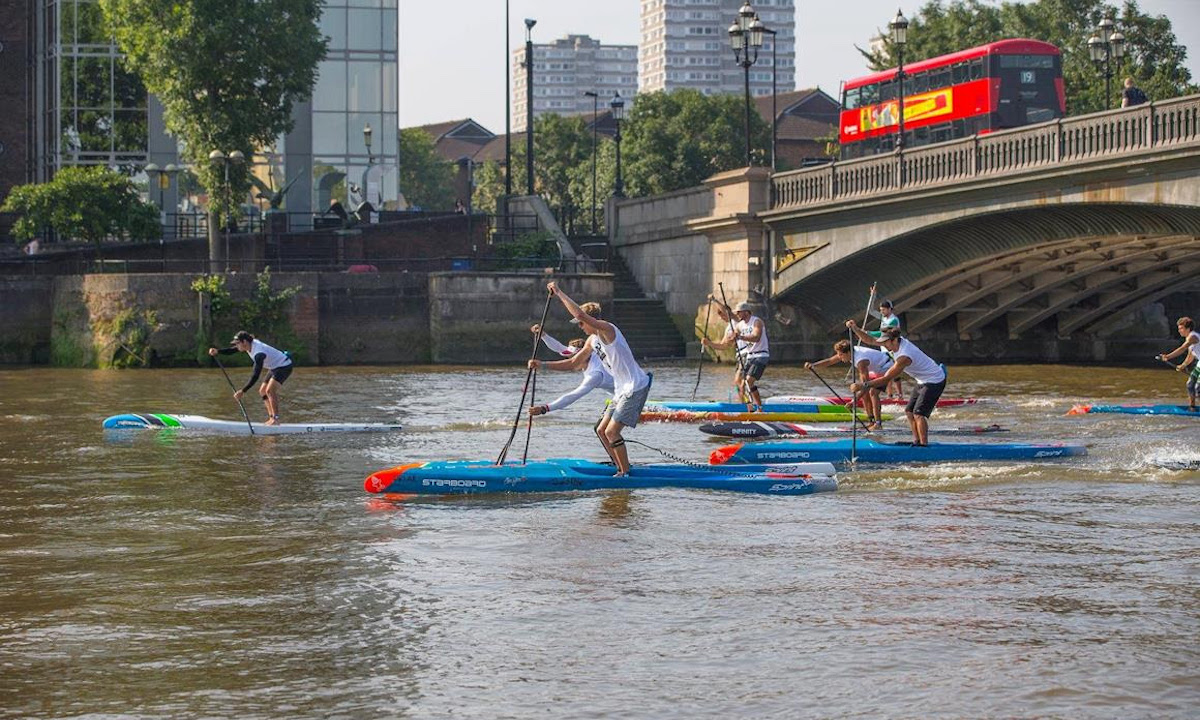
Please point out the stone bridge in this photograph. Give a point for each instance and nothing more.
(1058, 230)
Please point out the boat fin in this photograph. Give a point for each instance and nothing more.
(1080, 410)
(722, 454)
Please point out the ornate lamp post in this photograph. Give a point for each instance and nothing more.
(595, 114)
(162, 177)
(1103, 48)
(746, 38)
(236, 157)
(899, 28)
(617, 105)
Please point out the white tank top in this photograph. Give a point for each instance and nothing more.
(922, 368)
(1194, 348)
(274, 358)
(757, 348)
(878, 361)
(595, 366)
(617, 358)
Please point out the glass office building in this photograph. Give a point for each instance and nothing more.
(87, 110)
(356, 87)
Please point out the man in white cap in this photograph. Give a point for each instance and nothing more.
(747, 332)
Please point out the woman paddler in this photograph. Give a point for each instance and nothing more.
(277, 363)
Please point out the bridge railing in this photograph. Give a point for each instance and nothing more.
(1082, 138)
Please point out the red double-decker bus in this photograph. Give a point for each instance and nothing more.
(1004, 84)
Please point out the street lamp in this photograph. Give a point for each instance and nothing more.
(617, 105)
(745, 38)
(1103, 48)
(529, 23)
(366, 176)
(774, 90)
(236, 157)
(595, 110)
(899, 28)
(162, 177)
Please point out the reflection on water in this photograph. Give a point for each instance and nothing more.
(177, 574)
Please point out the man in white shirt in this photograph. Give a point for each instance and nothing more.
(909, 359)
(866, 361)
(748, 333)
(631, 384)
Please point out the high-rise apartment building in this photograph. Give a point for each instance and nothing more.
(685, 44)
(567, 68)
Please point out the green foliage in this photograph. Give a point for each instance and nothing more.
(675, 140)
(85, 203)
(264, 313)
(533, 250)
(128, 334)
(1154, 59)
(227, 74)
(426, 179)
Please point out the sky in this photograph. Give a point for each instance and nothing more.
(455, 68)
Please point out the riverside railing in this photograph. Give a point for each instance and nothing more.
(1066, 140)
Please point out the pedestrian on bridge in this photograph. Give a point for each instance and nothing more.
(748, 334)
(927, 372)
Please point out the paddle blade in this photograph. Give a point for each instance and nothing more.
(380, 480)
(1080, 410)
(722, 454)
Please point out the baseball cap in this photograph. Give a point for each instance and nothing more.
(242, 336)
(742, 307)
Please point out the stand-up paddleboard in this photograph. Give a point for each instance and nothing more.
(810, 407)
(790, 430)
(159, 421)
(651, 414)
(457, 477)
(830, 400)
(1134, 410)
(873, 451)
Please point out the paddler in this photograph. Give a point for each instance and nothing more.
(865, 361)
(277, 363)
(748, 334)
(908, 358)
(1190, 349)
(580, 351)
(888, 319)
(631, 384)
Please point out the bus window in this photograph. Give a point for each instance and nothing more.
(868, 95)
(976, 69)
(939, 79)
(887, 91)
(920, 83)
(959, 73)
(850, 101)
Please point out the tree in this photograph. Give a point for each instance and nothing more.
(227, 74)
(89, 203)
(676, 140)
(426, 179)
(1154, 58)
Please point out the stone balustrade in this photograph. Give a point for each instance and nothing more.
(1084, 138)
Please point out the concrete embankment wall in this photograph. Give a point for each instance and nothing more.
(334, 318)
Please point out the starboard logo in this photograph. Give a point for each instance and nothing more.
(453, 482)
(783, 455)
(1047, 453)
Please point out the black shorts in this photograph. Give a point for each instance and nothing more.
(924, 398)
(754, 368)
(280, 373)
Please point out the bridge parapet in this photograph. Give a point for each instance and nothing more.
(1079, 139)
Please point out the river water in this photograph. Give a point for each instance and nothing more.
(162, 574)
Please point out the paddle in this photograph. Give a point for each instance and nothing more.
(537, 338)
(866, 317)
(1165, 361)
(840, 399)
(239, 400)
(854, 403)
(743, 392)
(700, 364)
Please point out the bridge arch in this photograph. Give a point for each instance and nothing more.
(1042, 270)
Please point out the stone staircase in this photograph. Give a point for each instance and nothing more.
(644, 322)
